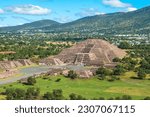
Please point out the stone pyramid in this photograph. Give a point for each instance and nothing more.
(94, 52)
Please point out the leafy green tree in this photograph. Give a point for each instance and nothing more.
(58, 94)
(118, 70)
(32, 93)
(102, 72)
(48, 96)
(15, 94)
(141, 74)
(124, 45)
(73, 96)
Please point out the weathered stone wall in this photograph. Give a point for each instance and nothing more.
(13, 64)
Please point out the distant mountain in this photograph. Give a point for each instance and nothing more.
(114, 23)
(30, 26)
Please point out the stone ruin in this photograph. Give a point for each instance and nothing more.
(91, 52)
(5, 65)
(81, 73)
(9, 67)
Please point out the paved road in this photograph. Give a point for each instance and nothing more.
(31, 71)
(26, 72)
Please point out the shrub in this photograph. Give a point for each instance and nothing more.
(58, 80)
(31, 81)
(32, 93)
(126, 97)
(15, 94)
(72, 74)
(147, 98)
(57, 94)
(101, 98)
(73, 96)
(141, 74)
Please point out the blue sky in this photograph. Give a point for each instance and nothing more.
(16, 12)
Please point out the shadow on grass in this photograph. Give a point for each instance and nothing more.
(137, 78)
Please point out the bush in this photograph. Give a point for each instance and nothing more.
(126, 97)
(72, 74)
(48, 96)
(111, 98)
(15, 94)
(116, 59)
(117, 98)
(32, 93)
(141, 74)
(57, 94)
(101, 98)
(147, 98)
(101, 72)
(31, 81)
(58, 80)
(110, 79)
(73, 96)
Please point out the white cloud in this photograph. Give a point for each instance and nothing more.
(29, 10)
(131, 9)
(89, 12)
(1, 11)
(116, 3)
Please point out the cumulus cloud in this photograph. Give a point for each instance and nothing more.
(89, 12)
(29, 10)
(131, 9)
(116, 3)
(1, 11)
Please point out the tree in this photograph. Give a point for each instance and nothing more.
(58, 94)
(141, 74)
(118, 70)
(124, 45)
(116, 59)
(31, 81)
(73, 96)
(72, 74)
(102, 72)
(48, 96)
(15, 94)
(32, 93)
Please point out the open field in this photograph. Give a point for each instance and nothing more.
(89, 88)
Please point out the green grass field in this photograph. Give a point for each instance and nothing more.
(90, 88)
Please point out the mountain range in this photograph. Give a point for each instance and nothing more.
(114, 23)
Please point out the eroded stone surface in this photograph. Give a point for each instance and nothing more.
(13, 64)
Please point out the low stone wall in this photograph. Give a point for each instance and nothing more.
(5, 65)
